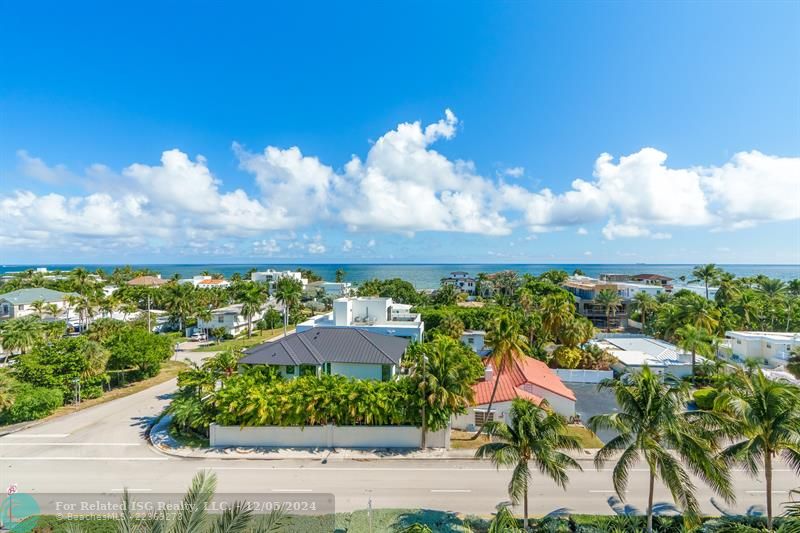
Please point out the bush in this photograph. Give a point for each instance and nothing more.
(31, 403)
(138, 349)
(566, 357)
(471, 317)
(704, 398)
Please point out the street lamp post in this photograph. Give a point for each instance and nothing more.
(424, 401)
(77, 383)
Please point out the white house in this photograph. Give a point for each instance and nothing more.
(528, 379)
(373, 314)
(635, 351)
(205, 282)
(16, 304)
(461, 281)
(271, 276)
(352, 353)
(336, 288)
(774, 347)
(476, 339)
(231, 318)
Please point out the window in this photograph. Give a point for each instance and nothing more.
(769, 345)
(480, 417)
(386, 372)
(289, 370)
(220, 319)
(308, 370)
(327, 368)
(21, 307)
(471, 340)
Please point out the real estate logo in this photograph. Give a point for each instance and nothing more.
(19, 512)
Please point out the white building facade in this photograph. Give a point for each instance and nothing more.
(376, 315)
(773, 347)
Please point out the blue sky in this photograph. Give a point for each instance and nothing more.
(166, 132)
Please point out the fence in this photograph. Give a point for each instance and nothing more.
(583, 376)
(327, 437)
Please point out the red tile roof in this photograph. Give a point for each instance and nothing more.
(147, 281)
(528, 371)
(212, 282)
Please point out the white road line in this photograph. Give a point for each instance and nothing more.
(132, 490)
(291, 490)
(33, 459)
(764, 492)
(346, 469)
(603, 491)
(451, 490)
(37, 436)
(70, 444)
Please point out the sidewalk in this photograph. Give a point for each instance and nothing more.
(160, 439)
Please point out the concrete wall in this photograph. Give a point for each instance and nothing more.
(575, 375)
(561, 405)
(327, 437)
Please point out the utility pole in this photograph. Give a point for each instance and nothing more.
(424, 401)
(77, 383)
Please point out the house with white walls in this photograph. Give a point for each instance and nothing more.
(634, 351)
(271, 276)
(231, 319)
(373, 314)
(476, 339)
(528, 379)
(206, 282)
(462, 281)
(348, 352)
(773, 347)
(19, 303)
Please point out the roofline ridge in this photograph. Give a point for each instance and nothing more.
(384, 354)
(292, 355)
(311, 348)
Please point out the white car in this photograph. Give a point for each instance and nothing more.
(198, 336)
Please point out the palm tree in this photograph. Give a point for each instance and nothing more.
(193, 516)
(51, 309)
(288, 292)
(707, 274)
(482, 283)
(765, 414)
(652, 424)
(645, 304)
(696, 341)
(20, 334)
(508, 345)
(451, 326)
(253, 299)
(557, 310)
(85, 308)
(504, 522)
(610, 300)
(38, 307)
(81, 280)
(339, 276)
(773, 290)
(532, 436)
(96, 358)
(6, 395)
(180, 301)
(702, 313)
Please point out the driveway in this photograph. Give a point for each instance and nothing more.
(590, 402)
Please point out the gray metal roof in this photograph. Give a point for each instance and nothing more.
(328, 345)
(28, 296)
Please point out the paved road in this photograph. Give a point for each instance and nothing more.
(102, 449)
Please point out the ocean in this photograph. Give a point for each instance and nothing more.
(428, 276)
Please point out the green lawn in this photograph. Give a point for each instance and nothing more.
(462, 440)
(240, 343)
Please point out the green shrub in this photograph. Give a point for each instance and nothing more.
(31, 403)
(704, 398)
(566, 357)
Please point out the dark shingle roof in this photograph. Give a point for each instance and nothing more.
(328, 345)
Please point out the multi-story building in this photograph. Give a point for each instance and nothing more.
(646, 279)
(373, 314)
(586, 289)
(461, 281)
(774, 347)
(271, 276)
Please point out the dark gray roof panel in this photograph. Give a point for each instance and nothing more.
(328, 345)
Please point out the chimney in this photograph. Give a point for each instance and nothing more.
(488, 372)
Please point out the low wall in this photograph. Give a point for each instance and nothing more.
(574, 375)
(326, 437)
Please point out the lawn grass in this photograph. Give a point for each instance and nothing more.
(240, 343)
(462, 440)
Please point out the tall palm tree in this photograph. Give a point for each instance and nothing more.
(774, 291)
(532, 436)
(51, 309)
(482, 284)
(610, 300)
(645, 304)
(193, 516)
(652, 424)
(253, 299)
(180, 301)
(84, 305)
(696, 341)
(38, 307)
(765, 415)
(508, 345)
(451, 326)
(81, 280)
(556, 310)
(288, 292)
(339, 275)
(708, 274)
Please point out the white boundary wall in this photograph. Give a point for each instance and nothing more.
(575, 375)
(326, 437)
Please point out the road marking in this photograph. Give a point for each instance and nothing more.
(37, 436)
(451, 490)
(2, 459)
(291, 490)
(346, 469)
(764, 492)
(70, 444)
(132, 490)
(603, 491)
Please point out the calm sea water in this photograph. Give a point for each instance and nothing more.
(428, 276)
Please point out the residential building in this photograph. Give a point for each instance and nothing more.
(647, 279)
(476, 339)
(16, 304)
(335, 289)
(148, 281)
(271, 276)
(462, 281)
(231, 318)
(586, 289)
(774, 347)
(349, 352)
(373, 314)
(205, 282)
(528, 379)
(633, 352)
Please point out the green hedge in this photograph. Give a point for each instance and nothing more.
(472, 317)
(704, 398)
(31, 403)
